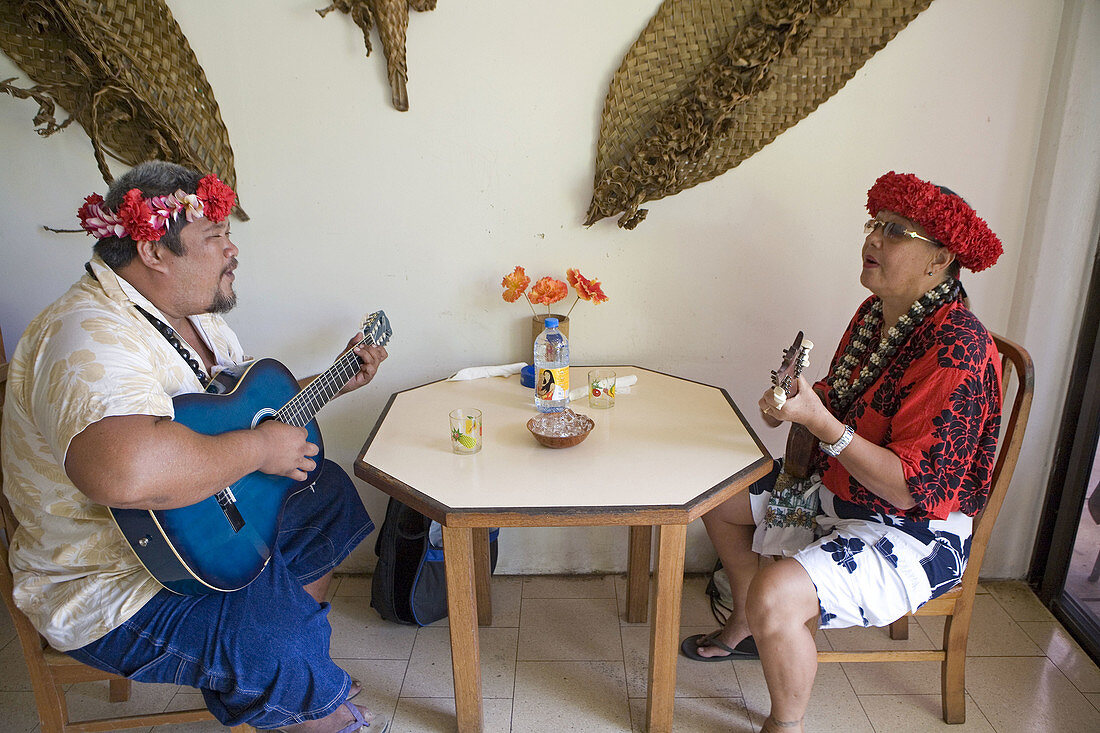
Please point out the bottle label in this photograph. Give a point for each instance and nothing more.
(552, 384)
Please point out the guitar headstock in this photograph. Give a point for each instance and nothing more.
(795, 359)
(376, 329)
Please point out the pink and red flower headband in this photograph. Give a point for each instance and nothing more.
(946, 217)
(146, 219)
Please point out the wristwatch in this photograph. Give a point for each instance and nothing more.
(834, 449)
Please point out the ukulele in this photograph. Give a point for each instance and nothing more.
(801, 443)
(795, 359)
(224, 541)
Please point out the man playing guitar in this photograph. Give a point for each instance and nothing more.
(88, 425)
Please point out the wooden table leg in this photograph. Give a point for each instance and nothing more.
(458, 558)
(637, 574)
(482, 572)
(664, 634)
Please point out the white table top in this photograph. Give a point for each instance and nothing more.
(665, 443)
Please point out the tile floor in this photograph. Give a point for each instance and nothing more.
(559, 658)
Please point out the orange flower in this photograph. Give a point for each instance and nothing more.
(515, 284)
(586, 289)
(547, 291)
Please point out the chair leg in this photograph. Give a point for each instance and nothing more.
(899, 630)
(120, 690)
(53, 713)
(953, 672)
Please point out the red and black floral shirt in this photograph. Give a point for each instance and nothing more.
(937, 406)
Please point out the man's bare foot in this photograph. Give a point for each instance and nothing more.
(339, 720)
(771, 725)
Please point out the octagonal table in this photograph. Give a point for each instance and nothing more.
(664, 455)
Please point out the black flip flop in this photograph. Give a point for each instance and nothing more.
(745, 649)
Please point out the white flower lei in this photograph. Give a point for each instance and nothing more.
(843, 391)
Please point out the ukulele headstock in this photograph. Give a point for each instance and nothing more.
(376, 328)
(795, 360)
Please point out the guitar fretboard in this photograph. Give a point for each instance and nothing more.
(305, 405)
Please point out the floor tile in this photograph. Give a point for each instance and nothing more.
(918, 714)
(693, 679)
(893, 678)
(1061, 649)
(1027, 694)
(695, 607)
(16, 678)
(699, 715)
(569, 628)
(87, 700)
(430, 673)
(1018, 601)
(580, 696)
(569, 586)
(381, 680)
(358, 632)
(992, 632)
(17, 711)
(354, 585)
(437, 715)
(834, 707)
(1094, 698)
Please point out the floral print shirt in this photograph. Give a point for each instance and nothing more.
(937, 406)
(88, 356)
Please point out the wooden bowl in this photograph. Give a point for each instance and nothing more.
(560, 429)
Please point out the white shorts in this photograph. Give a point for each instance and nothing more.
(870, 569)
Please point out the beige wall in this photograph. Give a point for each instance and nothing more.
(356, 207)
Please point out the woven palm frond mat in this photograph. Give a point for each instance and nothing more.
(124, 70)
(710, 82)
(392, 19)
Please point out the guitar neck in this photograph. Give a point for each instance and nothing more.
(305, 405)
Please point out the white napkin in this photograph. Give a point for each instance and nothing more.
(622, 386)
(503, 370)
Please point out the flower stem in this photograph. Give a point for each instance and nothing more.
(572, 306)
(529, 305)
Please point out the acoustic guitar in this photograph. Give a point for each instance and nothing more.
(223, 542)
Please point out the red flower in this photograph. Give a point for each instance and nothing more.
(137, 217)
(945, 216)
(547, 291)
(514, 284)
(217, 198)
(90, 210)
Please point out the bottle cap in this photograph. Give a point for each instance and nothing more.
(550, 323)
(527, 376)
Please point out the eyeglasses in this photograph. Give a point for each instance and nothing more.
(893, 231)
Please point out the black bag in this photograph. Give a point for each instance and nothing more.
(410, 584)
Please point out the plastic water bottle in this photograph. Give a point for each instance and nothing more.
(551, 369)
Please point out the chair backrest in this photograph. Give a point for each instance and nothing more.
(1014, 359)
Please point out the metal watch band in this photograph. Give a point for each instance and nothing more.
(834, 449)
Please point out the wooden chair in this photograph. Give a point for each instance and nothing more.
(958, 604)
(51, 670)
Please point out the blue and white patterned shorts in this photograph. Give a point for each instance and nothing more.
(870, 569)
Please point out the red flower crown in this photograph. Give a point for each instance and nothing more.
(945, 216)
(147, 219)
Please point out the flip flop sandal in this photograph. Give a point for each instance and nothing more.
(377, 724)
(355, 689)
(745, 649)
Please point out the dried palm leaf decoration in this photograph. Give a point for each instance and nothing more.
(710, 82)
(124, 70)
(392, 19)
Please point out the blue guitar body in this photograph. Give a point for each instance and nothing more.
(196, 549)
(223, 542)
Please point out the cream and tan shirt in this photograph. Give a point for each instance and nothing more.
(88, 356)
